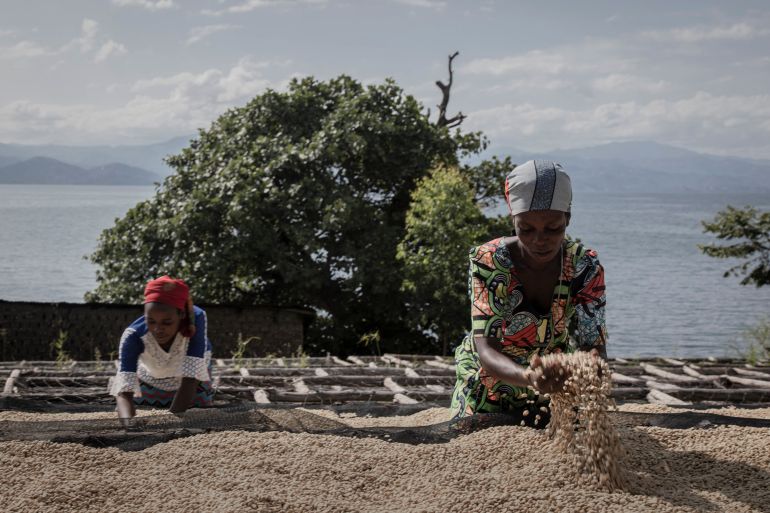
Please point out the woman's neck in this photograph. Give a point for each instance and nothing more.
(520, 257)
(167, 345)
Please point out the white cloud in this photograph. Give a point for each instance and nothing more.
(622, 83)
(754, 62)
(599, 90)
(251, 5)
(199, 33)
(589, 57)
(56, 65)
(159, 106)
(737, 31)
(34, 120)
(152, 5)
(507, 86)
(25, 50)
(86, 41)
(429, 4)
(702, 121)
(242, 81)
(109, 49)
(179, 79)
(582, 71)
(30, 49)
(534, 62)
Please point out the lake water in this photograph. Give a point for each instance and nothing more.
(664, 297)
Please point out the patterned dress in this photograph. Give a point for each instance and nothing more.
(500, 310)
(154, 374)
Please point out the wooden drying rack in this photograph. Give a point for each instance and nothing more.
(391, 378)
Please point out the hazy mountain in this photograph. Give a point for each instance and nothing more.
(636, 166)
(43, 170)
(148, 157)
(653, 167)
(121, 174)
(4, 161)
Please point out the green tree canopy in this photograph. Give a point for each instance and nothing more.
(444, 221)
(750, 229)
(297, 198)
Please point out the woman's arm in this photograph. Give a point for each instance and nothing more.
(194, 369)
(184, 395)
(125, 402)
(545, 379)
(499, 366)
(125, 382)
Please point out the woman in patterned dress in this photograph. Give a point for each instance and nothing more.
(532, 294)
(165, 355)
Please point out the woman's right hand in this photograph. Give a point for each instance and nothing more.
(547, 379)
(125, 407)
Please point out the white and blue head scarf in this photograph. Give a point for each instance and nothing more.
(538, 185)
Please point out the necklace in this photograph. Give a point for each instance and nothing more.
(539, 275)
(558, 298)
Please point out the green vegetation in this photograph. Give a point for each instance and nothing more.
(300, 198)
(443, 222)
(61, 356)
(98, 359)
(303, 357)
(756, 340)
(239, 354)
(371, 341)
(750, 229)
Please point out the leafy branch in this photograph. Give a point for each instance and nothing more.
(750, 228)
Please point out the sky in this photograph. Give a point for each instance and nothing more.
(531, 75)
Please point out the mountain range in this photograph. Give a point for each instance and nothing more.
(650, 167)
(148, 157)
(87, 165)
(636, 166)
(43, 170)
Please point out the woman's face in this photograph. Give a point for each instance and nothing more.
(540, 233)
(162, 321)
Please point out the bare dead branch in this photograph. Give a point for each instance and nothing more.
(455, 121)
(445, 90)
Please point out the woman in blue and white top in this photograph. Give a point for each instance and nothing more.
(165, 355)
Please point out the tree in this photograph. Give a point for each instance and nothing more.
(443, 222)
(297, 198)
(750, 228)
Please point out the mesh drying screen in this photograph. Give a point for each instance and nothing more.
(150, 430)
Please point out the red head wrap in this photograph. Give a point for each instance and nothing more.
(176, 293)
(167, 291)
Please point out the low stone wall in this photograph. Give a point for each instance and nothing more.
(28, 330)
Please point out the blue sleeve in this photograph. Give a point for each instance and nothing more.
(197, 346)
(131, 346)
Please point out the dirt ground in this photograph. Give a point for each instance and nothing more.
(506, 468)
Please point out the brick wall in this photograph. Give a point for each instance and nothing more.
(28, 330)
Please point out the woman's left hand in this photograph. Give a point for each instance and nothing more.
(184, 396)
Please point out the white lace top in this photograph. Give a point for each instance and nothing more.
(143, 359)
